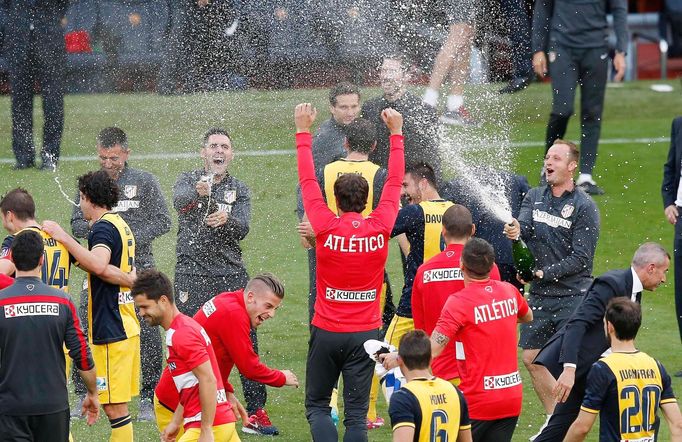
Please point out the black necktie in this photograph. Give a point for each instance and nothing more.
(638, 297)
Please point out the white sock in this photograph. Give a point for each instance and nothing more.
(455, 102)
(431, 97)
(585, 178)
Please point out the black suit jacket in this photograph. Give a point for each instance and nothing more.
(671, 169)
(582, 340)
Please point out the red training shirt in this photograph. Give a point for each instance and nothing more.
(351, 251)
(435, 281)
(188, 347)
(482, 318)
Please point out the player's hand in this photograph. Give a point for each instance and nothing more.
(304, 115)
(393, 120)
(672, 213)
(216, 219)
(203, 188)
(55, 231)
(305, 230)
(564, 384)
(619, 65)
(237, 407)
(540, 64)
(512, 230)
(291, 378)
(389, 360)
(521, 280)
(90, 408)
(170, 432)
(202, 3)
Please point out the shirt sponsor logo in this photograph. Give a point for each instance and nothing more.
(642, 439)
(221, 396)
(125, 205)
(495, 310)
(130, 191)
(355, 244)
(567, 210)
(125, 298)
(501, 381)
(102, 384)
(435, 275)
(208, 308)
(227, 208)
(32, 309)
(540, 216)
(350, 295)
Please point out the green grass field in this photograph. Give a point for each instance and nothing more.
(629, 170)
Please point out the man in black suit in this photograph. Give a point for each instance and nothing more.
(36, 51)
(672, 200)
(570, 353)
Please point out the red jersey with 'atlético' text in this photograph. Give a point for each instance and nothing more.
(482, 318)
(435, 281)
(351, 250)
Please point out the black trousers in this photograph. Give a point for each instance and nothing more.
(565, 413)
(190, 294)
(677, 252)
(499, 430)
(41, 428)
(518, 24)
(570, 67)
(332, 354)
(47, 67)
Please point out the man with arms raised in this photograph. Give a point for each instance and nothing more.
(351, 255)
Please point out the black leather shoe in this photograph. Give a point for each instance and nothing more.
(678, 374)
(515, 85)
(50, 166)
(22, 166)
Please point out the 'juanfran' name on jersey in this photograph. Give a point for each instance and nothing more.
(355, 244)
(540, 216)
(446, 274)
(637, 374)
(496, 310)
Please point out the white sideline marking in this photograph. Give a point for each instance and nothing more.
(278, 152)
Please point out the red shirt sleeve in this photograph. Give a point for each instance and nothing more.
(190, 346)
(5, 281)
(417, 306)
(450, 320)
(387, 209)
(237, 340)
(495, 273)
(318, 213)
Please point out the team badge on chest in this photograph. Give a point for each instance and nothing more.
(567, 210)
(130, 191)
(230, 196)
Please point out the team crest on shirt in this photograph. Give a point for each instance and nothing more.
(356, 224)
(567, 210)
(130, 191)
(30, 287)
(449, 254)
(230, 196)
(184, 296)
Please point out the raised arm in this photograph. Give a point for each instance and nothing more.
(387, 209)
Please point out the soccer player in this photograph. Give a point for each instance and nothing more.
(560, 224)
(351, 255)
(627, 387)
(421, 222)
(482, 319)
(204, 410)
(143, 207)
(244, 310)
(113, 328)
(426, 408)
(440, 277)
(37, 322)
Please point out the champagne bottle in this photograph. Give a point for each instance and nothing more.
(523, 260)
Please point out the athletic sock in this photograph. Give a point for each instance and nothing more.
(585, 178)
(334, 402)
(431, 97)
(455, 102)
(121, 429)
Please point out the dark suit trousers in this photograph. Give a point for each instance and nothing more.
(677, 247)
(46, 66)
(565, 413)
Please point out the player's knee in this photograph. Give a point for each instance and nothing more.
(528, 358)
(114, 411)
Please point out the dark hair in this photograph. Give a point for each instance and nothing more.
(111, 136)
(400, 58)
(351, 191)
(343, 88)
(625, 316)
(415, 350)
(100, 189)
(20, 203)
(27, 248)
(215, 131)
(269, 281)
(422, 170)
(573, 151)
(153, 284)
(478, 257)
(361, 135)
(457, 221)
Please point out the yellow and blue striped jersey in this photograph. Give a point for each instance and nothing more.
(435, 408)
(374, 175)
(626, 390)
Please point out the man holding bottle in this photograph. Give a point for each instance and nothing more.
(560, 224)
